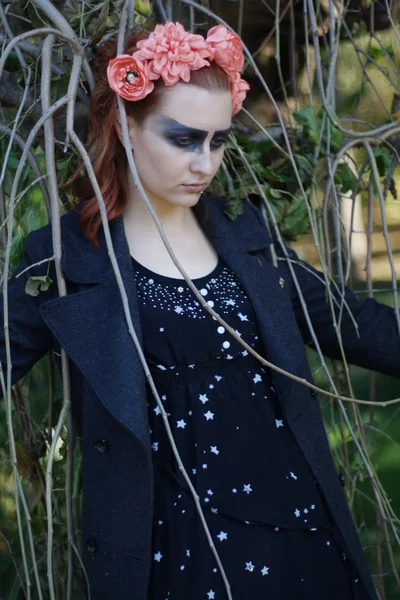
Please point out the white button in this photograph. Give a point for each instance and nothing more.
(221, 329)
(226, 344)
(204, 292)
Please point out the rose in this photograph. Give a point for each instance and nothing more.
(129, 77)
(239, 89)
(226, 49)
(173, 52)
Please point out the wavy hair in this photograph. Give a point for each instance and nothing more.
(107, 153)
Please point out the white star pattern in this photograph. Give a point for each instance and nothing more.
(264, 570)
(158, 556)
(203, 398)
(231, 303)
(211, 595)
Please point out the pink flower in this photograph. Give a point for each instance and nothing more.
(173, 53)
(227, 49)
(129, 77)
(239, 89)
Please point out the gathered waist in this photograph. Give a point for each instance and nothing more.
(218, 365)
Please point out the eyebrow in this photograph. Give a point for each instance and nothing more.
(194, 131)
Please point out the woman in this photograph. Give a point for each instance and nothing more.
(251, 440)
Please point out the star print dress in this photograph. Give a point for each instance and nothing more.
(265, 514)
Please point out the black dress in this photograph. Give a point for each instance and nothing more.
(266, 515)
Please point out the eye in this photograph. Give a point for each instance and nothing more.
(218, 143)
(183, 141)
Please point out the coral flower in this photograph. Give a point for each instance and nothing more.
(173, 53)
(239, 89)
(227, 49)
(129, 77)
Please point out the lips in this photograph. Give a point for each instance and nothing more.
(195, 186)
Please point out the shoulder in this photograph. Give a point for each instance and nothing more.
(40, 241)
(250, 215)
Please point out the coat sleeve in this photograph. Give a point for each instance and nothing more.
(368, 329)
(30, 338)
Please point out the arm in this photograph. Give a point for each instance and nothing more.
(369, 331)
(30, 339)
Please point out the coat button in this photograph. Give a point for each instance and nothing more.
(91, 546)
(341, 479)
(101, 445)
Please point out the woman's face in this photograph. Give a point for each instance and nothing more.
(181, 143)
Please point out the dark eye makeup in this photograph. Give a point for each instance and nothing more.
(187, 143)
(188, 138)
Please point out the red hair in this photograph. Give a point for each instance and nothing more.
(107, 153)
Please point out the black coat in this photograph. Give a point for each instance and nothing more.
(108, 383)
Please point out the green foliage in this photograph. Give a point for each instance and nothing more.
(37, 283)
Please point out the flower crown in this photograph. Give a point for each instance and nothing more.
(172, 53)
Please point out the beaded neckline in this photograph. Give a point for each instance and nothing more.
(138, 267)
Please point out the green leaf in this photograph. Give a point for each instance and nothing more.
(37, 283)
(17, 248)
(383, 157)
(307, 119)
(345, 177)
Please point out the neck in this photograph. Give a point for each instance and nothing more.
(175, 220)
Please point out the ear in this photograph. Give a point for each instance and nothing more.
(118, 127)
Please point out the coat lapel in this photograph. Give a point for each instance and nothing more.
(91, 326)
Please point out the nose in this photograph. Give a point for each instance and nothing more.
(202, 162)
